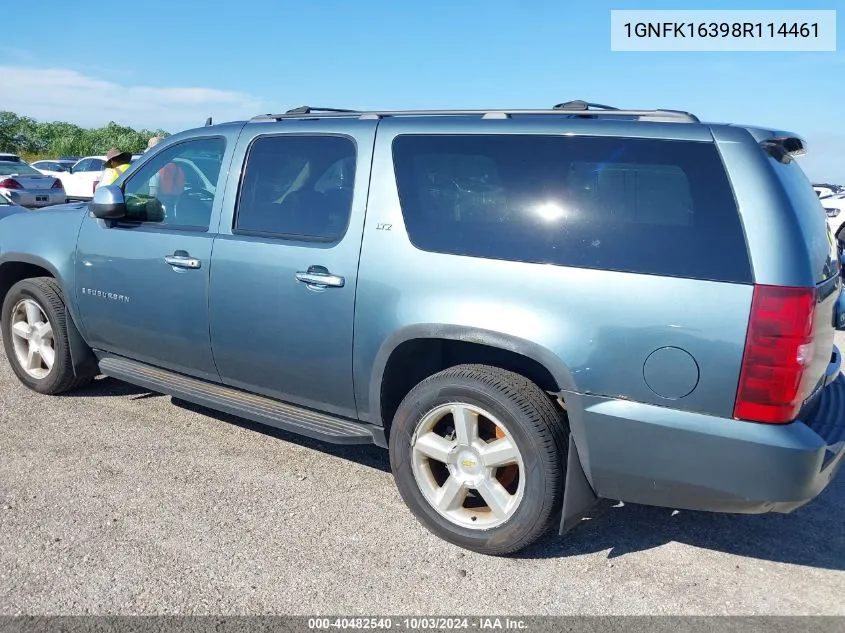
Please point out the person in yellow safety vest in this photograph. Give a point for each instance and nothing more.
(117, 162)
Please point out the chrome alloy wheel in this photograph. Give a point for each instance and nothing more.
(32, 338)
(467, 466)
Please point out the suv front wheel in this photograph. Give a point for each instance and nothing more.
(478, 454)
(35, 336)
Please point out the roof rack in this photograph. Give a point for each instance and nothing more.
(582, 105)
(579, 109)
(312, 110)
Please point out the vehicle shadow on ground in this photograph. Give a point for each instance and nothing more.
(810, 536)
(104, 386)
(364, 454)
(367, 455)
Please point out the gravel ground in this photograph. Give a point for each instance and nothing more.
(115, 501)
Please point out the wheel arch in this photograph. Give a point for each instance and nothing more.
(526, 357)
(15, 267)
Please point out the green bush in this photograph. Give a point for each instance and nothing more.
(35, 140)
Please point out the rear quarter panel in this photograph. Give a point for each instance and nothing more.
(786, 233)
(592, 329)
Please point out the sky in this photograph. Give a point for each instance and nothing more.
(168, 64)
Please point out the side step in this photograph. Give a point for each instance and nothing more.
(320, 426)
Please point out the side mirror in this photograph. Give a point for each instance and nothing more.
(108, 203)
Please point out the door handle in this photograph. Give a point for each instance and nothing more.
(320, 277)
(181, 259)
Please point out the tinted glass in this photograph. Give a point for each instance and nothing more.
(637, 205)
(96, 164)
(171, 189)
(298, 186)
(83, 165)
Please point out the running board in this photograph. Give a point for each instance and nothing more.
(320, 426)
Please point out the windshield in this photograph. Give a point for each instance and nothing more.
(14, 169)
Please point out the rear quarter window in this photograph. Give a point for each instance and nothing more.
(635, 205)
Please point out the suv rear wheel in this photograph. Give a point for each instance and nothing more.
(479, 454)
(35, 336)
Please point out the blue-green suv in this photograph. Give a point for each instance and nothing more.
(532, 309)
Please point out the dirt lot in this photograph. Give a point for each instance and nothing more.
(116, 501)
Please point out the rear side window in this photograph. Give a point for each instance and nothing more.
(297, 187)
(636, 205)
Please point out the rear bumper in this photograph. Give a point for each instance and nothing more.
(36, 199)
(663, 457)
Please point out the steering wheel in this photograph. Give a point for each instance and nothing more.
(193, 202)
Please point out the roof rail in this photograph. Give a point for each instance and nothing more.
(310, 110)
(579, 109)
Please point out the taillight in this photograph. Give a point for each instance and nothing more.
(10, 183)
(778, 350)
(94, 188)
(57, 184)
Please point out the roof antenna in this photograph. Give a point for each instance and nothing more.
(208, 121)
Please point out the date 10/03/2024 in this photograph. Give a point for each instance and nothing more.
(418, 623)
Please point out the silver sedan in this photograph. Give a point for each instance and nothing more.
(28, 187)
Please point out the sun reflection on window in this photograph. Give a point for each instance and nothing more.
(550, 211)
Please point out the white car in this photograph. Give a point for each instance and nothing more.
(834, 209)
(54, 168)
(82, 178)
(824, 190)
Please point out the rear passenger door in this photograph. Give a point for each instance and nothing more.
(285, 264)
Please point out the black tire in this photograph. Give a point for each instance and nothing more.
(539, 430)
(47, 293)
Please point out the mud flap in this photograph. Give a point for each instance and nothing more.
(81, 357)
(578, 496)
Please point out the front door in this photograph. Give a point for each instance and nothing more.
(142, 284)
(285, 269)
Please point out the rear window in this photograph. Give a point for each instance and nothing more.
(14, 169)
(636, 205)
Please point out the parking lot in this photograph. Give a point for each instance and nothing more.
(113, 500)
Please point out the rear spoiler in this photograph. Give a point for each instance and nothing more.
(791, 145)
(779, 143)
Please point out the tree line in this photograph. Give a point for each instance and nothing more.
(35, 140)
